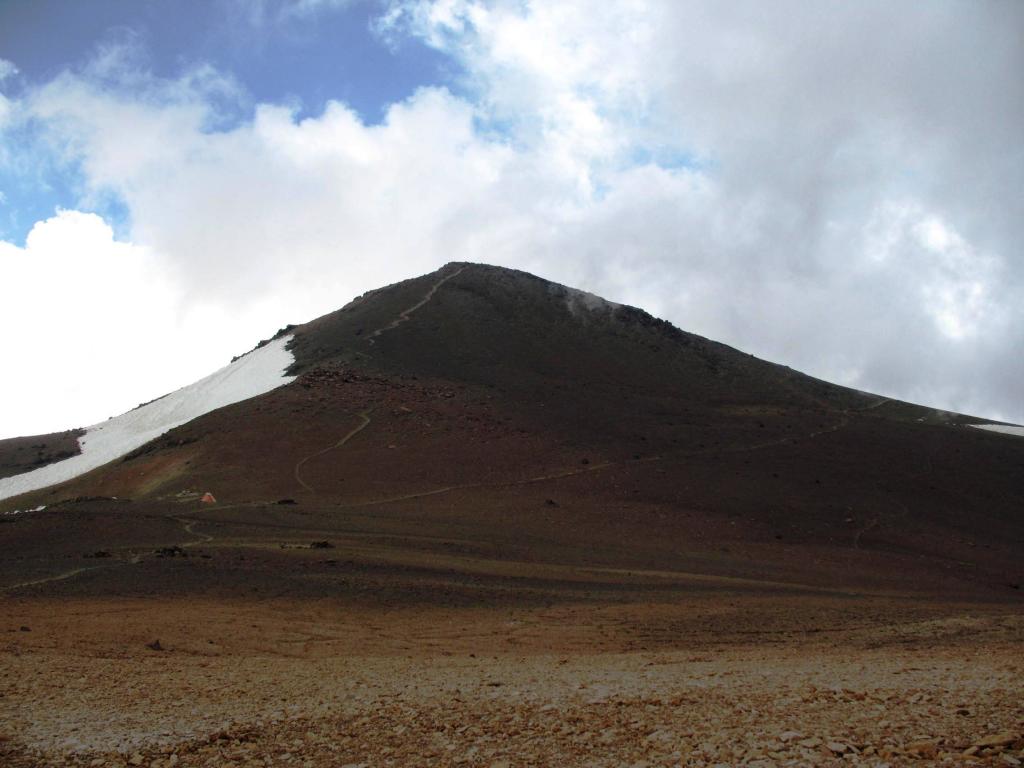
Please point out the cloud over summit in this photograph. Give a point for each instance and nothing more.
(833, 186)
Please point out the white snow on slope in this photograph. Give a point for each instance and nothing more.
(1005, 428)
(253, 374)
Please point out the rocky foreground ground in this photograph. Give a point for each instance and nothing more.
(87, 684)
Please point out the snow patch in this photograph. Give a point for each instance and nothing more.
(1004, 428)
(252, 374)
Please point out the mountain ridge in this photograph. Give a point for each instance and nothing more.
(462, 402)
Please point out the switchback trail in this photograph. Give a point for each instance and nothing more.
(558, 475)
(842, 422)
(203, 537)
(58, 577)
(364, 417)
(404, 314)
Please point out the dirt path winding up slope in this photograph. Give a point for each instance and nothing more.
(404, 314)
(364, 422)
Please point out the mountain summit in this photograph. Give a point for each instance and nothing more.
(549, 425)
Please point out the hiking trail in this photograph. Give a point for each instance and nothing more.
(404, 314)
(188, 524)
(58, 577)
(365, 420)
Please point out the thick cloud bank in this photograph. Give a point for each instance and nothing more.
(834, 186)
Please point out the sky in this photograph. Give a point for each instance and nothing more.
(834, 186)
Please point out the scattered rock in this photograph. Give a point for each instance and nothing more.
(155, 646)
(321, 545)
(1003, 739)
(924, 749)
(174, 551)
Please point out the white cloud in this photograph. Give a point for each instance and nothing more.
(258, 13)
(94, 326)
(7, 69)
(68, 289)
(278, 205)
(810, 125)
(312, 7)
(838, 188)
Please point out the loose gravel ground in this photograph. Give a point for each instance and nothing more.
(922, 691)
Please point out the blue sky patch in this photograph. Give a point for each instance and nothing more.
(303, 59)
(278, 55)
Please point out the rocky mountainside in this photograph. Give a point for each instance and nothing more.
(545, 423)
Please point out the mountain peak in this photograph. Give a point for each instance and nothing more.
(475, 395)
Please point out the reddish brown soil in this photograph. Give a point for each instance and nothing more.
(508, 532)
(724, 679)
(500, 413)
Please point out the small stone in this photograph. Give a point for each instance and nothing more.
(810, 743)
(1004, 739)
(837, 747)
(925, 749)
(787, 736)
(135, 759)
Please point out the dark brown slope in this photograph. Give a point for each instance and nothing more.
(565, 350)
(23, 454)
(540, 342)
(481, 434)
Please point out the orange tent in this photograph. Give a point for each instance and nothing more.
(208, 498)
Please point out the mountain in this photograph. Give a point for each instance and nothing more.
(478, 425)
